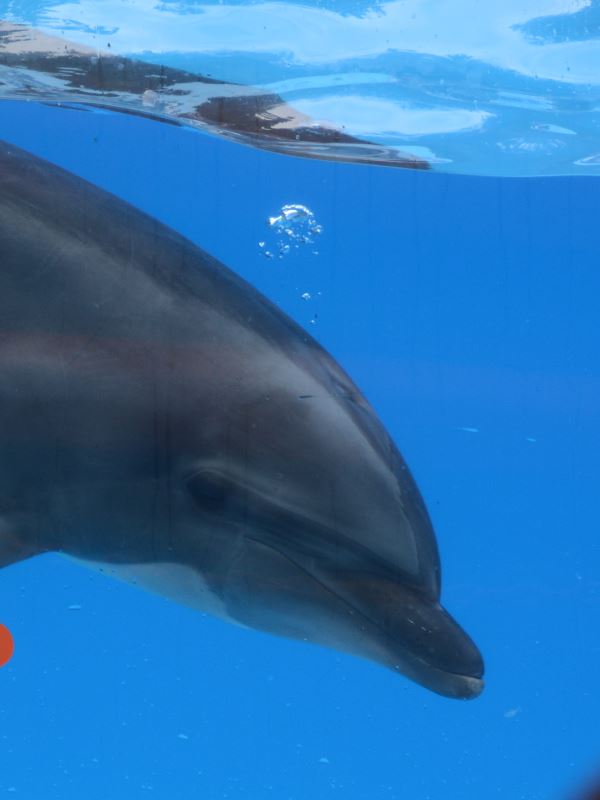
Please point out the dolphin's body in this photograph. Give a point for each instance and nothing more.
(162, 419)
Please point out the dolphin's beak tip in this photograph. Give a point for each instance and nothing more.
(471, 687)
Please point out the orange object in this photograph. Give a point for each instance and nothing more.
(7, 645)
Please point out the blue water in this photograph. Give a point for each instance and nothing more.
(467, 310)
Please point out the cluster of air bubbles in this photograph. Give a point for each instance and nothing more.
(295, 226)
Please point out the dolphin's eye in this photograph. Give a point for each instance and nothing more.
(211, 490)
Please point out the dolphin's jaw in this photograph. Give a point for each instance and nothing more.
(383, 644)
(364, 615)
(447, 684)
(402, 628)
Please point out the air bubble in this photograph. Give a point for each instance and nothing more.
(294, 227)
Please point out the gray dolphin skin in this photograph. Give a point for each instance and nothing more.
(164, 421)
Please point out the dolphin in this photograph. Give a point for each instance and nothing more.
(165, 422)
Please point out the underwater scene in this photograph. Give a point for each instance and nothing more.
(299, 399)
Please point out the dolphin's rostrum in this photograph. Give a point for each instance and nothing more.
(164, 420)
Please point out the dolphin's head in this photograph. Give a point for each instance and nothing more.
(328, 539)
(155, 377)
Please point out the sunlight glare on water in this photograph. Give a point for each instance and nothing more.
(497, 88)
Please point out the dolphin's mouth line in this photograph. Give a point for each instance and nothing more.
(416, 659)
(213, 489)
